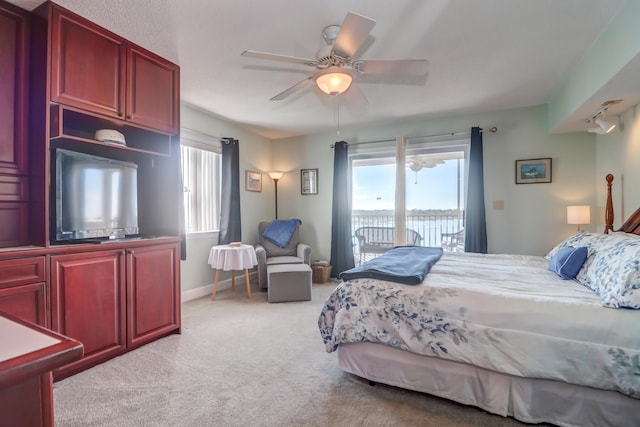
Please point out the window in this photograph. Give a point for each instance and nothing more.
(201, 160)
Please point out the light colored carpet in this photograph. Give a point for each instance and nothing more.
(245, 362)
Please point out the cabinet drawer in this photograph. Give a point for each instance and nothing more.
(15, 272)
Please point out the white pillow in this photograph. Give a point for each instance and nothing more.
(613, 271)
(581, 238)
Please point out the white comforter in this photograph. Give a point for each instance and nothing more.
(506, 313)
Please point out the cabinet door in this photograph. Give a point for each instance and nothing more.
(153, 303)
(153, 90)
(14, 93)
(87, 69)
(88, 304)
(14, 81)
(26, 302)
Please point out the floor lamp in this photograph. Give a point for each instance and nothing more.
(275, 176)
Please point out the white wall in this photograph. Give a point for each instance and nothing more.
(534, 218)
(255, 154)
(618, 153)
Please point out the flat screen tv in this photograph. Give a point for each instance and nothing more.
(96, 197)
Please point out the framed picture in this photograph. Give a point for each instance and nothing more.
(309, 181)
(533, 171)
(253, 181)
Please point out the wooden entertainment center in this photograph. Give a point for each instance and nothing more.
(67, 77)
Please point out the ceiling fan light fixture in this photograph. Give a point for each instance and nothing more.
(334, 80)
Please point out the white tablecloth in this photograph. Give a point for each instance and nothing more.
(225, 257)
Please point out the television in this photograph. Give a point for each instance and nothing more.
(95, 197)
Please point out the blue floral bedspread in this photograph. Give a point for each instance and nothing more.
(506, 313)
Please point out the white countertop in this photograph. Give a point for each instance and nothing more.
(18, 339)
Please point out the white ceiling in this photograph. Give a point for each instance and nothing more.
(485, 55)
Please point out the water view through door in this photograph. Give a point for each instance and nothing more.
(434, 200)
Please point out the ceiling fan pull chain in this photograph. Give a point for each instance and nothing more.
(336, 112)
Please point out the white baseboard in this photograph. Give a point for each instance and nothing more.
(206, 290)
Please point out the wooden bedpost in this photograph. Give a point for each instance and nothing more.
(608, 213)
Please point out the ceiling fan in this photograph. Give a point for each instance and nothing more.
(335, 63)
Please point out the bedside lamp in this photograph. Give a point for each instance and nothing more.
(275, 176)
(578, 215)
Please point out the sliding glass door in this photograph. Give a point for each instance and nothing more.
(435, 193)
(432, 197)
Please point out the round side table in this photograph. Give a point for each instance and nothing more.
(231, 258)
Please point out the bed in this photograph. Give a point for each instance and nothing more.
(504, 333)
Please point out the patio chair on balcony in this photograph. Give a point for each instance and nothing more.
(378, 240)
(453, 242)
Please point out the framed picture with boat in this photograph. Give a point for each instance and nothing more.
(533, 171)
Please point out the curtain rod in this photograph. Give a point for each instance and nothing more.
(492, 130)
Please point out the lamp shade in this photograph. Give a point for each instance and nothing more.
(597, 130)
(605, 125)
(578, 215)
(334, 80)
(276, 175)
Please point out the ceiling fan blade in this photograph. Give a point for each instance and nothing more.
(276, 57)
(353, 33)
(406, 67)
(296, 87)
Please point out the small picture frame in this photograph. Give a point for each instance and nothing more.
(253, 181)
(533, 171)
(308, 181)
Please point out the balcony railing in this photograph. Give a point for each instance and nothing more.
(436, 230)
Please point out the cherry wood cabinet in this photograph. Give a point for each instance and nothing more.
(153, 301)
(14, 90)
(88, 304)
(98, 71)
(115, 300)
(22, 289)
(62, 78)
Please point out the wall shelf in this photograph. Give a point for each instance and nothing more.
(74, 129)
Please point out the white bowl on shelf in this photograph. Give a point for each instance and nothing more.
(111, 136)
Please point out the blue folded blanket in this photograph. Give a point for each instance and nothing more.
(280, 231)
(404, 264)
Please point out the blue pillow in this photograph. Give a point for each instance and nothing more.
(568, 261)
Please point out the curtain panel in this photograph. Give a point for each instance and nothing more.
(341, 243)
(176, 156)
(475, 238)
(230, 219)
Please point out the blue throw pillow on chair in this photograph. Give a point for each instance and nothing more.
(568, 261)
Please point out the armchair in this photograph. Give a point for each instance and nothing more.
(271, 254)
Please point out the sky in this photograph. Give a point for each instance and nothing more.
(436, 188)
